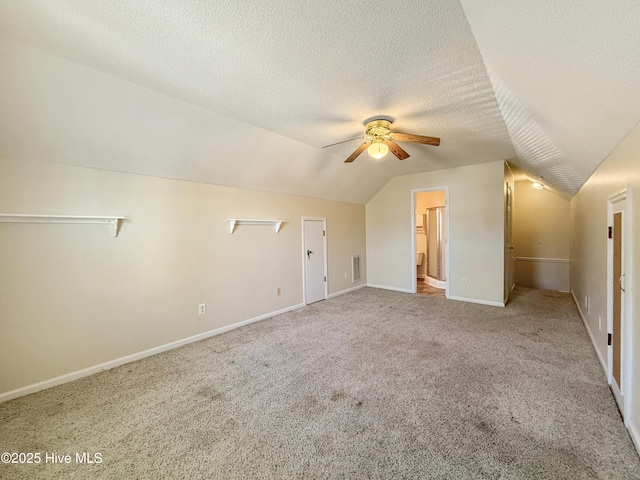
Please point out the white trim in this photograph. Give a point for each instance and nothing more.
(635, 436)
(618, 196)
(462, 299)
(85, 372)
(386, 287)
(441, 284)
(475, 300)
(617, 394)
(346, 290)
(603, 364)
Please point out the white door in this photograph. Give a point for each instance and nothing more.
(314, 253)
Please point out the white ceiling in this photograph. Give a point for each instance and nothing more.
(245, 93)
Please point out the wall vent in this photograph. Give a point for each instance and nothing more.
(355, 268)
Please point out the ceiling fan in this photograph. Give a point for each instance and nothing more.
(379, 140)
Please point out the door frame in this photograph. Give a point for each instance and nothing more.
(304, 253)
(414, 267)
(626, 313)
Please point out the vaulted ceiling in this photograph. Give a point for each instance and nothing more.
(245, 93)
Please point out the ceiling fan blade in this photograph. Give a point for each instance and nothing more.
(345, 141)
(407, 137)
(358, 151)
(397, 150)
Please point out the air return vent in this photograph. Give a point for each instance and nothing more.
(355, 268)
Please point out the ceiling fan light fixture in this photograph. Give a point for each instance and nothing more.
(378, 150)
(380, 140)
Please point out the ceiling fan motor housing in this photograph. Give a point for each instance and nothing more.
(378, 128)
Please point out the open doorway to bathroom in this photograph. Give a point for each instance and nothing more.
(431, 242)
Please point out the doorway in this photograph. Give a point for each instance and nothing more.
(619, 302)
(509, 260)
(434, 255)
(429, 241)
(314, 261)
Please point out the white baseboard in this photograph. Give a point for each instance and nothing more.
(593, 340)
(475, 300)
(633, 431)
(441, 284)
(386, 287)
(85, 372)
(462, 299)
(635, 436)
(347, 290)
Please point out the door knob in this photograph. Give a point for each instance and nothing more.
(309, 252)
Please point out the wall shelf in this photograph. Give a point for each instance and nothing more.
(251, 221)
(23, 218)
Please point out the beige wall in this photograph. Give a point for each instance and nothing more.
(541, 227)
(475, 226)
(589, 254)
(424, 200)
(73, 296)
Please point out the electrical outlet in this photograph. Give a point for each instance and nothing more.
(464, 281)
(599, 322)
(202, 309)
(278, 291)
(345, 275)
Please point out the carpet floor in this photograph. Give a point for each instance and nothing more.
(371, 384)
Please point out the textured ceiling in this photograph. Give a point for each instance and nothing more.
(245, 93)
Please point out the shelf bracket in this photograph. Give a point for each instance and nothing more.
(116, 226)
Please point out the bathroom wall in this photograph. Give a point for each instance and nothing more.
(424, 200)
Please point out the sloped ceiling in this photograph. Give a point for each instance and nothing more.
(246, 93)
